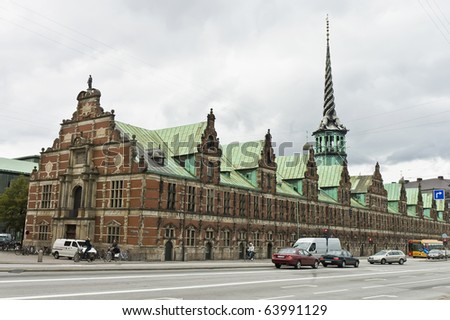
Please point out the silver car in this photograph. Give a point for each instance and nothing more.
(388, 256)
(436, 254)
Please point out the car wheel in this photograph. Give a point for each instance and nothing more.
(56, 255)
(315, 265)
(401, 261)
(356, 264)
(325, 265)
(277, 265)
(298, 265)
(342, 265)
(383, 261)
(371, 262)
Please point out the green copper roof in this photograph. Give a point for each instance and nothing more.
(329, 176)
(150, 139)
(393, 191)
(412, 195)
(234, 179)
(241, 156)
(360, 184)
(182, 140)
(292, 167)
(17, 166)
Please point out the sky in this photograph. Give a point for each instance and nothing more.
(259, 64)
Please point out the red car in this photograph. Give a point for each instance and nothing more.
(294, 257)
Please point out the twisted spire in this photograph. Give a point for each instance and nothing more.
(330, 119)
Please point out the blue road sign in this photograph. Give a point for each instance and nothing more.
(438, 194)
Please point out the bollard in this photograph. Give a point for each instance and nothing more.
(40, 255)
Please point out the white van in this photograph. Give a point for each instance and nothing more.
(318, 246)
(67, 247)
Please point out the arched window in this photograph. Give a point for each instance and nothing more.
(77, 193)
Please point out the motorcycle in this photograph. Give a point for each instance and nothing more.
(88, 256)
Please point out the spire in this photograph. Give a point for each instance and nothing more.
(330, 120)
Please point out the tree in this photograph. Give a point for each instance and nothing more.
(13, 204)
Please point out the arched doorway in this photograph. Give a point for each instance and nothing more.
(77, 192)
(168, 251)
(269, 250)
(208, 251)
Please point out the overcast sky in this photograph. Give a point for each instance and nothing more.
(259, 64)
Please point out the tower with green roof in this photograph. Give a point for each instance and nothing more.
(330, 146)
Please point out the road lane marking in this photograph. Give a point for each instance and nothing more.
(300, 286)
(375, 279)
(403, 283)
(332, 291)
(380, 296)
(277, 298)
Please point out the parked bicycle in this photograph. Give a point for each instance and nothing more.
(24, 250)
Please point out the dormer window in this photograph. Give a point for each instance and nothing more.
(157, 155)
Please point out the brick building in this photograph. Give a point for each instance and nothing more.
(178, 194)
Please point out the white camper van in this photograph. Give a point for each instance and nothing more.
(318, 246)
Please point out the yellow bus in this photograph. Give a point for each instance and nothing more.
(420, 248)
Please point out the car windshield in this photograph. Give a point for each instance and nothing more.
(82, 243)
(287, 250)
(334, 252)
(381, 253)
(302, 245)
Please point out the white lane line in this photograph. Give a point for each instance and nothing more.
(375, 279)
(383, 296)
(333, 291)
(191, 275)
(403, 283)
(277, 298)
(300, 286)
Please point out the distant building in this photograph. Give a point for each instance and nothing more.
(11, 169)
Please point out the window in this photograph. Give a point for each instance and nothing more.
(255, 206)
(113, 233)
(191, 199)
(209, 235)
(116, 193)
(210, 201)
(226, 238)
(190, 237)
(169, 232)
(46, 196)
(44, 232)
(210, 170)
(226, 203)
(256, 238)
(242, 205)
(171, 196)
(269, 208)
(281, 241)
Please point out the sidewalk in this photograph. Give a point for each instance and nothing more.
(10, 262)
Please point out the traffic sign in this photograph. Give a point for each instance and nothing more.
(438, 194)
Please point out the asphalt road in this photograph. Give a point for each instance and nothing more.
(415, 280)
